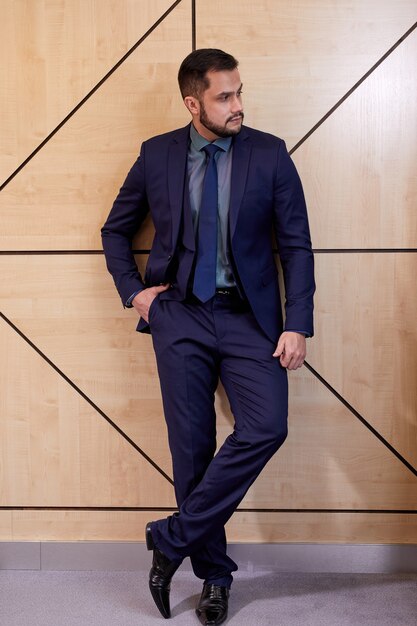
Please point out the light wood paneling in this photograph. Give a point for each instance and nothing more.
(80, 525)
(299, 58)
(57, 450)
(86, 332)
(358, 168)
(330, 459)
(53, 54)
(322, 528)
(250, 527)
(6, 533)
(366, 321)
(62, 197)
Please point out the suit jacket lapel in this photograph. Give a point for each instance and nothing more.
(241, 155)
(177, 160)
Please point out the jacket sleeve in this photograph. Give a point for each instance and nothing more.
(126, 216)
(294, 245)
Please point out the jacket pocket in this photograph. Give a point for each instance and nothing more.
(152, 308)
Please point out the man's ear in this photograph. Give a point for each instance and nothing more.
(192, 105)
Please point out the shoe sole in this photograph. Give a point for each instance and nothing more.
(211, 622)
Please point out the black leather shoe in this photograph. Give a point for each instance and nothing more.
(160, 575)
(212, 606)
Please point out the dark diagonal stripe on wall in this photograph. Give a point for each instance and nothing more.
(90, 93)
(86, 398)
(355, 86)
(361, 419)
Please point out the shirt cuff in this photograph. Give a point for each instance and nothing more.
(128, 303)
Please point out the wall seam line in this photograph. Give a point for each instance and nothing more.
(89, 94)
(147, 251)
(352, 89)
(361, 419)
(238, 510)
(86, 398)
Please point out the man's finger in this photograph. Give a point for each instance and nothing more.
(160, 288)
(296, 363)
(279, 349)
(285, 359)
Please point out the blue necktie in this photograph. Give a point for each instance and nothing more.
(204, 286)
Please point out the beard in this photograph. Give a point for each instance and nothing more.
(220, 131)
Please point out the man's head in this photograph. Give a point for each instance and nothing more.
(211, 88)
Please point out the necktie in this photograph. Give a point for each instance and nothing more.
(204, 286)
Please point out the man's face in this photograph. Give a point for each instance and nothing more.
(219, 110)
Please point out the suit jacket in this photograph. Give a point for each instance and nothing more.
(266, 194)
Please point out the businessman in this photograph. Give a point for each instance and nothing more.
(216, 190)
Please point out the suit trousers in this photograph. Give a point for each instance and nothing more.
(196, 345)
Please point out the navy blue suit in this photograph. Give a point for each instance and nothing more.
(227, 338)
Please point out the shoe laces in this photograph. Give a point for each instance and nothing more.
(215, 592)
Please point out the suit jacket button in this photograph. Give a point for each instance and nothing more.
(169, 257)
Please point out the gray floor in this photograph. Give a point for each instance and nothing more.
(45, 598)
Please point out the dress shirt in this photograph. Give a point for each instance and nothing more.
(196, 167)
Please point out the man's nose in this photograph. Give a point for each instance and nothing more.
(237, 106)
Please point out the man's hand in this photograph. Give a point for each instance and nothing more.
(143, 300)
(291, 350)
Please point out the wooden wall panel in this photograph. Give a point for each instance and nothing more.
(246, 527)
(330, 460)
(362, 186)
(366, 310)
(93, 342)
(313, 527)
(53, 54)
(57, 450)
(86, 332)
(63, 195)
(299, 58)
(6, 530)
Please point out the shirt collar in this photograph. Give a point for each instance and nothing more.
(199, 142)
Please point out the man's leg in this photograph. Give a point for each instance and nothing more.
(188, 366)
(256, 385)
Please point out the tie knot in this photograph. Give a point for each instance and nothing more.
(211, 149)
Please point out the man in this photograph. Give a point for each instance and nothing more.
(210, 297)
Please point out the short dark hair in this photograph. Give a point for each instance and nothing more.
(192, 75)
